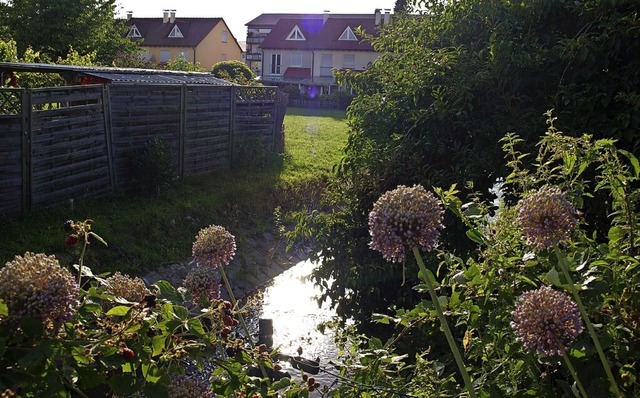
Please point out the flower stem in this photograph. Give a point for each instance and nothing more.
(562, 260)
(232, 297)
(575, 375)
(444, 324)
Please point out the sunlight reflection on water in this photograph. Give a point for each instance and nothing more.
(290, 301)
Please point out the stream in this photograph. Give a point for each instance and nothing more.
(289, 300)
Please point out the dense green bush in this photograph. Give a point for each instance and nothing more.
(452, 81)
(530, 240)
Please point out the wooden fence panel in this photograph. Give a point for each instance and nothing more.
(207, 128)
(11, 130)
(138, 114)
(68, 156)
(68, 142)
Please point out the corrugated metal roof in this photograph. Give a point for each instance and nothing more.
(116, 78)
(119, 75)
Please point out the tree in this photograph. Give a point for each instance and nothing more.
(52, 28)
(450, 84)
(401, 6)
(234, 71)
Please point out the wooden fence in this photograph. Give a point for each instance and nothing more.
(70, 142)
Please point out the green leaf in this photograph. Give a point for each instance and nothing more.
(195, 326)
(158, 344)
(181, 312)
(475, 236)
(123, 384)
(375, 343)
(151, 372)
(554, 277)
(616, 234)
(168, 291)
(120, 310)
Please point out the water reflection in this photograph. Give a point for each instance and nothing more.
(290, 301)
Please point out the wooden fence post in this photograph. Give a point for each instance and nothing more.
(26, 151)
(183, 128)
(232, 124)
(106, 109)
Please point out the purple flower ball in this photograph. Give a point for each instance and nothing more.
(402, 219)
(214, 246)
(546, 217)
(546, 321)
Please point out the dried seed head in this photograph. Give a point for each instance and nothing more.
(35, 285)
(214, 246)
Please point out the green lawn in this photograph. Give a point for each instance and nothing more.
(144, 232)
(314, 141)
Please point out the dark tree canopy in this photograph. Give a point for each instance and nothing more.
(401, 6)
(54, 27)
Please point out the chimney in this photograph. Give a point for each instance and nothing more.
(387, 15)
(129, 15)
(172, 16)
(165, 16)
(325, 16)
(378, 16)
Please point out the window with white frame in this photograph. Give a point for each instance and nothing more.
(134, 32)
(224, 36)
(296, 34)
(296, 60)
(326, 63)
(223, 57)
(348, 35)
(349, 61)
(184, 54)
(276, 64)
(175, 32)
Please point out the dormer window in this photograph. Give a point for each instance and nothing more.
(134, 32)
(296, 34)
(175, 32)
(348, 35)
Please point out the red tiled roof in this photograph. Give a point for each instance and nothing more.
(297, 73)
(156, 33)
(319, 35)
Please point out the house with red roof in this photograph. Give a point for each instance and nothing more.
(305, 49)
(206, 41)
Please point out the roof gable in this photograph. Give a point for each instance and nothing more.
(175, 32)
(348, 35)
(296, 34)
(134, 31)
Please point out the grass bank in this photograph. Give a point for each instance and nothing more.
(146, 231)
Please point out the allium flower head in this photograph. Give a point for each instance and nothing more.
(202, 282)
(130, 289)
(546, 218)
(214, 246)
(546, 321)
(183, 387)
(35, 285)
(402, 219)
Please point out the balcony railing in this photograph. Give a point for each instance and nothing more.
(254, 56)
